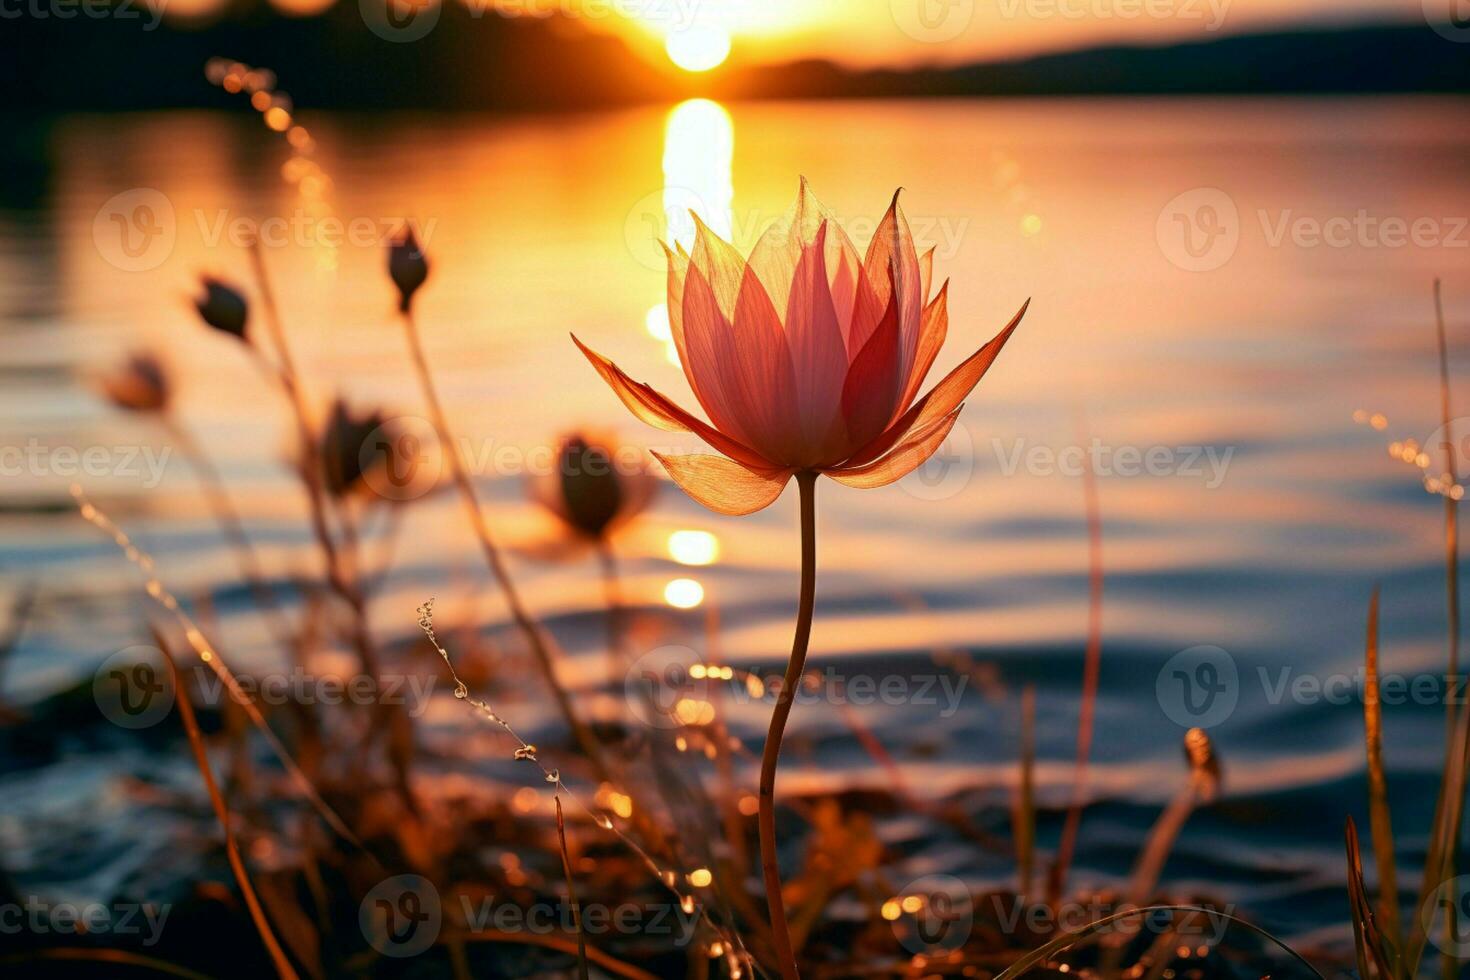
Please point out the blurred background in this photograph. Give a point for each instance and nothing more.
(1229, 215)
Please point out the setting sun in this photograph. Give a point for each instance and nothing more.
(698, 48)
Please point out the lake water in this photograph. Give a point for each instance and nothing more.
(1217, 286)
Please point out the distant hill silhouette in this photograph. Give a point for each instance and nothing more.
(486, 61)
(1338, 60)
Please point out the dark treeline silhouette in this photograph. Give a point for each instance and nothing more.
(484, 61)
(1339, 60)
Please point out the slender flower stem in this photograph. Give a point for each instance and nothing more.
(528, 626)
(399, 726)
(1450, 961)
(806, 483)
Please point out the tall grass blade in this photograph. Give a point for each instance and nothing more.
(1452, 589)
(222, 813)
(211, 658)
(1378, 809)
(1366, 935)
(1024, 830)
(1092, 665)
(566, 867)
(1072, 938)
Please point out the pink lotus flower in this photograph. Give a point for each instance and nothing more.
(806, 358)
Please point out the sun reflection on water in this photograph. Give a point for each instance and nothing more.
(699, 149)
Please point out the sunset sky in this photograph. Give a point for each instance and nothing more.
(908, 32)
(703, 34)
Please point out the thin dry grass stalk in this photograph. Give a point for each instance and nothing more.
(102, 958)
(1378, 809)
(535, 636)
(1024, 829)
(1066, 941)
(396, 722)
(566, 867)
(1368, 940)
(561, 944)
(737, 956)
(1452, 589)
(211, 658)
(222, 813)
(1092, 668)
(1203, 783)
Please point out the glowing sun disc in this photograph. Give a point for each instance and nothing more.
(698, 48)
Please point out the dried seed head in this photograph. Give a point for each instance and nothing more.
(596, 486)
(140, 385)
(351, 444)
(408, 266)
(223, 307)
(1204, 764)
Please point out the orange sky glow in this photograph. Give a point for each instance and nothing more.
(706, 34)
(912, 32)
